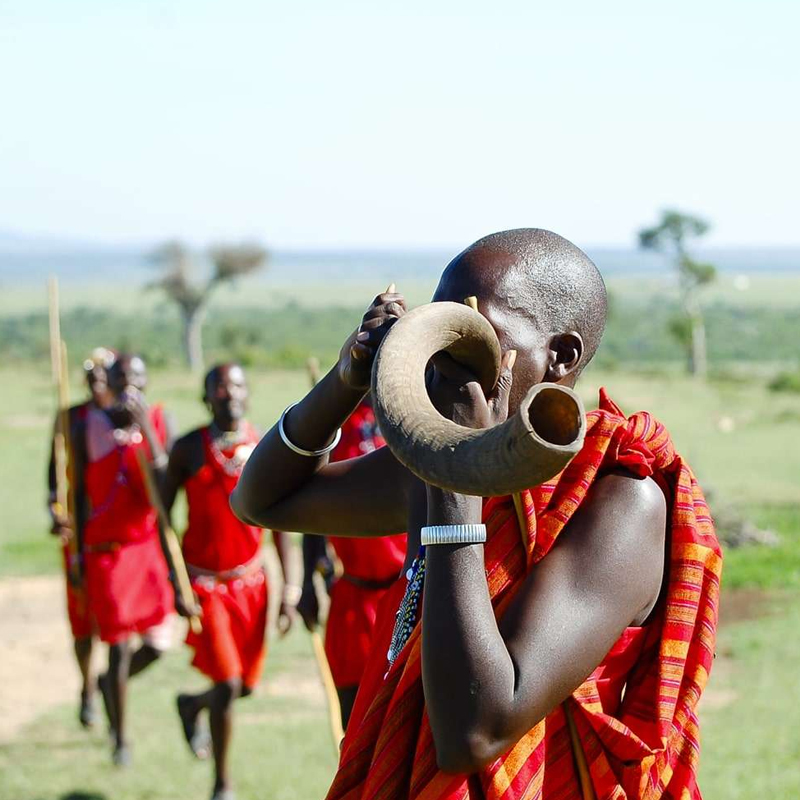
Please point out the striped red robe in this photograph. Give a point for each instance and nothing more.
(649, 747)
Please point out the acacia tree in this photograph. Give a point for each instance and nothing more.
(670, 236)
(180, 283)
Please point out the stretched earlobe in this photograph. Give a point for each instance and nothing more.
(566, 352)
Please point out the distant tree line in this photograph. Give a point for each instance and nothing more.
(638, 335)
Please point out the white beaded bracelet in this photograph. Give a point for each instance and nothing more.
(453, 534)
(299, 450)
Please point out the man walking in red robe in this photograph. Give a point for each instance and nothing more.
(127, 576)
(224, 560)
(95, 370)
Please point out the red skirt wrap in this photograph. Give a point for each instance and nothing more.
(128, 588)
(232, 643)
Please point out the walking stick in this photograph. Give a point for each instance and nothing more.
(64, 504)
(323, 667)
(173, 545)
(334, 709)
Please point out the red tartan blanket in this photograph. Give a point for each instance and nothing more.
(649, 748)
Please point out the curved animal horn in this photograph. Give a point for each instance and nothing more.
(529, 448)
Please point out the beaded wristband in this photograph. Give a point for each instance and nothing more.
(453, 534)
(299, 450)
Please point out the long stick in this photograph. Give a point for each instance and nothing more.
(65, 506)
(334, 709)
(58, 369)
(312, 367)
(173, 545)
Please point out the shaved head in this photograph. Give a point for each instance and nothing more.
(555, 282)
(543, 295)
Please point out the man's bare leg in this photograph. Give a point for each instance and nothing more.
(83, 655)
(220, 712)
(122, 664)
(119, 663)
(347, 697)
(143, 658)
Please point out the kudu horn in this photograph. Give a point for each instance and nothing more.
(529, 448)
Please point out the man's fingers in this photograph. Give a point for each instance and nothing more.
(451, 370)
(393, 304)
(501, 391)
(388, 297)
(360, 352)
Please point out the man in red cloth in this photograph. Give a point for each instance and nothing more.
(564, 657)
(223, 556)
(369, 568)
(95, 370)
(127, 577)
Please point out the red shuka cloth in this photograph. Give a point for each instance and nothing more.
(353, 610)
(231, 644)
(643, 745)
(127, 578)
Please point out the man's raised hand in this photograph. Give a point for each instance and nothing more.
(457, 395)
(358, 352)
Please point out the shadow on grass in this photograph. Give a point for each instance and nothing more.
(83, 796)
(79, 795)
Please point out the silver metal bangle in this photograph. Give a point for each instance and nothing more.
(453, 534)
(299, 450)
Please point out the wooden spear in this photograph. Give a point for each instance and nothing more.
(64, 504)
(173, 545)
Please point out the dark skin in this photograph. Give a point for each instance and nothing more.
(486, 683)
(127, 380)
(225, 395)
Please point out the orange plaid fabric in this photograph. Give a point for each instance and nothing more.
(650, 748)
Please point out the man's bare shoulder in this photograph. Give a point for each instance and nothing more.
(188, 448)
(618, 537)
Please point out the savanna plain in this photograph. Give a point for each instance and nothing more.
(741, 437)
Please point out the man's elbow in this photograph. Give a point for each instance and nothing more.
(466, 753)
(240, 507)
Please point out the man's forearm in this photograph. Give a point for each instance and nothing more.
(273, 470)
(467, 672)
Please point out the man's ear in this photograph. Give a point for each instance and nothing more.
(565, 351)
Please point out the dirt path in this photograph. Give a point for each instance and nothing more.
(37, 670)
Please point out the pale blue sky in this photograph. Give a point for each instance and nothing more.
(314, 124)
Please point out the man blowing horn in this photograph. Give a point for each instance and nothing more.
(564, 656)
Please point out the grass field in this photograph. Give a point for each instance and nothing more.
(282, 747)
(742, 440)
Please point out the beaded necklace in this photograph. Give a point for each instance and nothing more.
(406, 616)
(123, 437)
(231, 465)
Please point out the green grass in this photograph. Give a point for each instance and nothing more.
(768, 567)
(754, 465)
(750, 746)
(282, 747)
